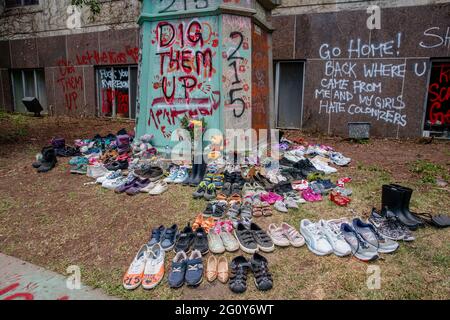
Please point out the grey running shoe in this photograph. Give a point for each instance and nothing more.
(360, 248)
(369, 233)
(390, 228)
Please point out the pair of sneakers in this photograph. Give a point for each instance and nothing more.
(324, 238)
(147, 268)
(166, 237)
(177, 175)
(207, 191)
(186, 270)
(188, 240)
(221, 240)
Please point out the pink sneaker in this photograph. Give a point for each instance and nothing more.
(271, 197)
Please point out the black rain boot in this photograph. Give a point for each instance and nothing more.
(391, 206)
(191, 177)
(201, 170)
(405, 205)
(48, 160)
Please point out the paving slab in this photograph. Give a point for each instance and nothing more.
(20, 280)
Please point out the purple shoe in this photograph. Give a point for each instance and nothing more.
(126, 186)
(137, 186)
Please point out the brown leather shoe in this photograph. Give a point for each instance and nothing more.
(222, 270)
(211, 268)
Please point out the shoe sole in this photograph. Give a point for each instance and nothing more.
(152, 286)
(196, 284)
(168, 249)
(365, 259)
(319, 253)
(267, 249)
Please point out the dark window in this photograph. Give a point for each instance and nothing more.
(289, 94)
(28, 83)
(116, 91)
(437, 117)
(20, 3)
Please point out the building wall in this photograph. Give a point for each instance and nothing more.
(38, 37)
(339, 87)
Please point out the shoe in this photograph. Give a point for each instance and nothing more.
(200, 191)
(200, 241)
(332, 233)
(168, 238)
(211, 268)
(137, 186)
(172, 176)
(360, 248)
(215, 243)
(128, 184)
(229, 241)
(277, 235)
(315, 239)
(290, 203)
(392, 202)
(390, 228)
(178, 270)
(405, 204)
(155, 237)
(185, 240)
(77, 169)
(154, 267)
(201, 170)
(339, 160)
(152, 173)
(238, 278)
(280, 206)
(159, 188)
(260, 268)
(110, 176)
(222, 270)
(113, 184)
(295, 238)
(48, 160)
(182, 175)
(247, 243)
(133, 277)
(194, 272)
(210, 192)
(117, 165)
(148, 188)
(370, 234)
(261, 238)
(96, 171)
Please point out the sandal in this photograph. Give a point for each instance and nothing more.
(239, 270)
(260, 268)
(266, 209)
(246, 211)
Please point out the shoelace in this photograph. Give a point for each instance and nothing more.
(193, 267)
(176, 269)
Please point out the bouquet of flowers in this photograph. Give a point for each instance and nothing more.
(191, 124)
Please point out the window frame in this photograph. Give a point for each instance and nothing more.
(35, 83)
(99, 94)
(21, 5)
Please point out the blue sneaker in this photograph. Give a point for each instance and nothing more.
(76, 161)
(194, 272)
(172, 176)
(178, 270)
(156, 236)
(182, 175)
(370, 234)
(168, 238)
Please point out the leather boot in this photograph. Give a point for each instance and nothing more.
(391, 206)
(406, 201)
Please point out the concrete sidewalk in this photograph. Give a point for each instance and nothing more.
(20, 280)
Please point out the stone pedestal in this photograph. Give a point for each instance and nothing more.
(204, 58)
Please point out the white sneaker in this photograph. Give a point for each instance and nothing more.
(280, 206)
(321, 166)
(291, 203)
(333, 234)
(110, 176)
(154, 267)
(160, 187)
(96, 171)
(148, 188)
(172, 176)
(315, 239)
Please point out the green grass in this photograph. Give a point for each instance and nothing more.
(428, 171)
(19, 124)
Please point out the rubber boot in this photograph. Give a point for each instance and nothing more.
(201, 170)
(391, 206)
(406, 201)
(191, 177)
